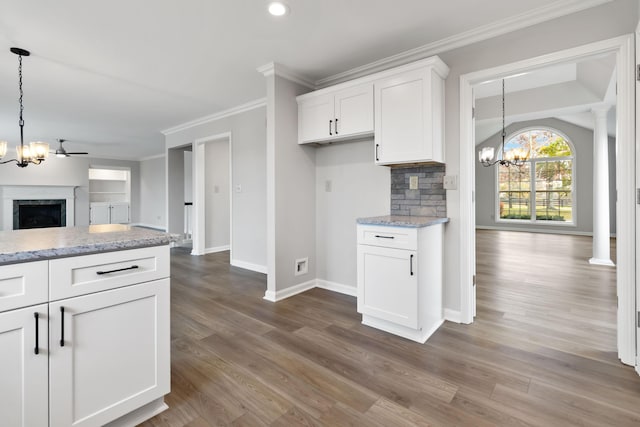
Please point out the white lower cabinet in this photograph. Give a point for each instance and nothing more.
(23, 373)
(400, 279)
(109, 213)
(85, 341)
(109, 353)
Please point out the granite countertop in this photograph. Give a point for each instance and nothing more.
(403, 221)
(57, 242)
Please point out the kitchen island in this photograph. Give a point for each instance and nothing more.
(400, 274)
(84, 325)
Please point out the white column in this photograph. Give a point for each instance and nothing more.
(601, 230)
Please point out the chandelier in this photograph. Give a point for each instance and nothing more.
(515, 157)
(35, 152)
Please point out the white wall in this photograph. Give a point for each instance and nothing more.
(72, 171)
(217, 195)
(358, 188)
(152, 193)
(291, 215)
(599, 23)
(582, 140)
(248, 147)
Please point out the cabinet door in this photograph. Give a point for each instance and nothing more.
(354, 111)
(24, 374)
(315, 119)
(388, 284)
(115, 356)
(403, 112)
(119, 213)
(99, 213)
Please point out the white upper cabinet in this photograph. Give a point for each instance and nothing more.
(335, 115)
(409, 115)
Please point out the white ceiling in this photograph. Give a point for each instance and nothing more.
(565, 91)
(109, 76)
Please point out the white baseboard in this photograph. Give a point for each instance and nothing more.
(153, 227)
(290, 291)
(249, 266)
(337, 287)
(141, 414)
(538, 230)
(216, 249)
(452, 315)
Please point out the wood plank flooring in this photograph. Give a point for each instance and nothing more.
(542, 351)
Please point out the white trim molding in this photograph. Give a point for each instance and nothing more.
(290, 291)
(251, 105)
(485, 32)
(623, 47)
(217, 249)
(337, 287)
(452, 315)
(273, 68)
(249, 266)
(162, 228)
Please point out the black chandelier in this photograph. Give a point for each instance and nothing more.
(515, 157)
(35, 152)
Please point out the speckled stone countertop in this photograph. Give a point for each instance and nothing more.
(57, 242)
(403, 221)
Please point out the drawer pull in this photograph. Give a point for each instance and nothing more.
(330, 123)
(336, 126)
(411, 264)
(36, 350)
(61, 326)
(384, 237)
(133, 267)
(377, 158)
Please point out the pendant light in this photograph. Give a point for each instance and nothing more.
(35, 152)
(515, 157)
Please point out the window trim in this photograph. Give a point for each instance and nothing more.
(532, 190)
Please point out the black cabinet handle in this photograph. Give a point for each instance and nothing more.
(61, 326)
(100, 273)
(377, 158)
(411, 264)
(330, 122)
(36, 350)
(384, 237)
(336, 126)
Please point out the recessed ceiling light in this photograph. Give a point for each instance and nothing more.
(277, 8)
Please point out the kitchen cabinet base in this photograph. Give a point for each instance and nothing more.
(418, 335)
(140, 415)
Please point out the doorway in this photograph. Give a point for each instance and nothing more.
(212, 220)
(622, 47)
(179, 193)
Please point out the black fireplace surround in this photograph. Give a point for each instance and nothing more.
(39, 213)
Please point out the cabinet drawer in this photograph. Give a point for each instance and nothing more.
(23, 284)
(388, 237)
(93, 273)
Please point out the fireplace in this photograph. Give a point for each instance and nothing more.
(39, 213)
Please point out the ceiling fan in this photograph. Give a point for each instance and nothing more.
(61, 152)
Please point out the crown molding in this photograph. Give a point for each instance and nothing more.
(155, 156)
(216, 116)
(498, 28)
(273, 68)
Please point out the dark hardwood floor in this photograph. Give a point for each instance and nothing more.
(542, 350)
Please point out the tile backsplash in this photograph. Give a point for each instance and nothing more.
(429, 199)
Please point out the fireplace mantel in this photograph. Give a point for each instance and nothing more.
(36, 192)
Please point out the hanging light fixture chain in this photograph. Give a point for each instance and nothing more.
(21, 121)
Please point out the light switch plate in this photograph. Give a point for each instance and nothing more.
(450, 182)
(413, 182)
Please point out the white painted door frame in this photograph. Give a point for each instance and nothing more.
(623, 47)
(637, 218)
(199, 196)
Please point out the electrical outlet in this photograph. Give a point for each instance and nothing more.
(413, 182)
(238, 188)
(216, 188)
(327, 186)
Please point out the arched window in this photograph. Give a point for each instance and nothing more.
(541, 191)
